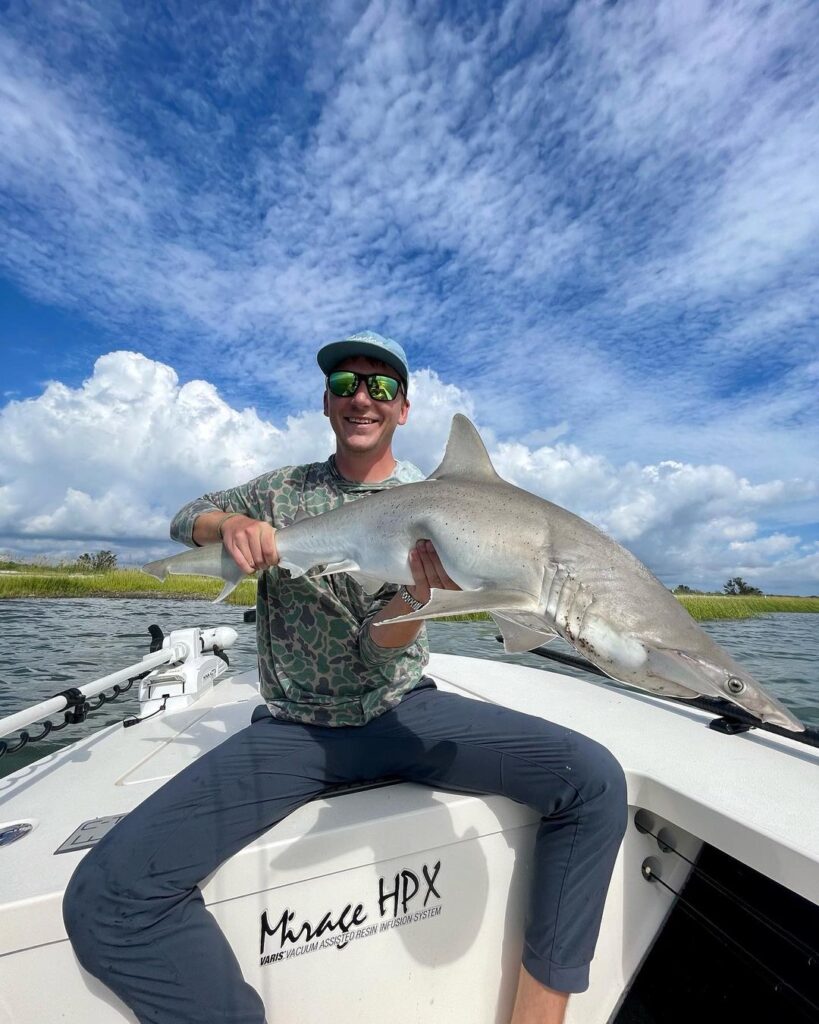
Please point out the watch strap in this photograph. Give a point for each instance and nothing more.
(409, 600)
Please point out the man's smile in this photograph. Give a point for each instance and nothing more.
(362, 424)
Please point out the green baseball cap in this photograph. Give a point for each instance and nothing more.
(365, 343)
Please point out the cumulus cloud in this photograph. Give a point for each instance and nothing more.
(106, 464)
(111, 460)
(690, 524)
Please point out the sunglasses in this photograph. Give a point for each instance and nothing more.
(344, 384)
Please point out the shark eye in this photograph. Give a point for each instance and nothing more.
(735, 685)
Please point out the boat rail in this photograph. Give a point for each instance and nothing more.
(729, 718)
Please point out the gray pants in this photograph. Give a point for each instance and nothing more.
(134, 912)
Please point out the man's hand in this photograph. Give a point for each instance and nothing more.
(251, 543)
(427, 572)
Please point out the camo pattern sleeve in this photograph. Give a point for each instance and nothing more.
(251, 499)
(317, 662)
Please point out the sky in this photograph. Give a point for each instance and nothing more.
(593, 226)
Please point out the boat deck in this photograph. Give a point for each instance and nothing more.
(752, 796)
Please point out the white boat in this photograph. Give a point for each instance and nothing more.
(404, 902)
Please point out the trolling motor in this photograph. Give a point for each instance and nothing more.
(177, 671)
(179, 685)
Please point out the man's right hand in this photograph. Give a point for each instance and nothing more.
(251, 543)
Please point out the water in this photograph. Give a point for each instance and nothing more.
(55, 644)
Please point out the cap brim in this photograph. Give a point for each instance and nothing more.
(337, 351)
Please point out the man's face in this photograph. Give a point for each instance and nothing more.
(359, 422)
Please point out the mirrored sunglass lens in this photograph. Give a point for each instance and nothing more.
(342, 383)
(382, 389)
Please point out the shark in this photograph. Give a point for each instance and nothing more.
(540, 570)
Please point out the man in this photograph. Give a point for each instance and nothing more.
(345, 700)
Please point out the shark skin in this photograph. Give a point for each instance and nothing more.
(540, 569)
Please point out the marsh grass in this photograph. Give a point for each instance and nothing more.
(42, 581)
(120, 583)
(717, 606)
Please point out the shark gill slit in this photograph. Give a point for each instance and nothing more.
(565, 600)
(554, 590)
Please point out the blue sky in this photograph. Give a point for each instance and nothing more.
(593, 226)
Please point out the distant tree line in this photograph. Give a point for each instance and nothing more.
(99, 561)
(94, 561)
(735, 586)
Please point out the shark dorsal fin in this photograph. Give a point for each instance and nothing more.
(465, 456)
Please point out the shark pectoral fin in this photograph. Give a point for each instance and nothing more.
(519, 637)
(347, 565)
(676, 675)
(294, 570)
(461, 602)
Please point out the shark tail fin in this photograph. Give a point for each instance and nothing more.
(159, 570)
(228, 588)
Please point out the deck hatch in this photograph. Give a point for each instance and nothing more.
(89, 833)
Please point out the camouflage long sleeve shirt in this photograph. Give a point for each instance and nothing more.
(317, 660)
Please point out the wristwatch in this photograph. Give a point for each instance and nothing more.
(408, 599)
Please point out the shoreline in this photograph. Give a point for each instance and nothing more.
(121, 584)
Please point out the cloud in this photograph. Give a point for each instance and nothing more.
(107, 464)
(111, 460)
(108, 459)
(688, 523)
